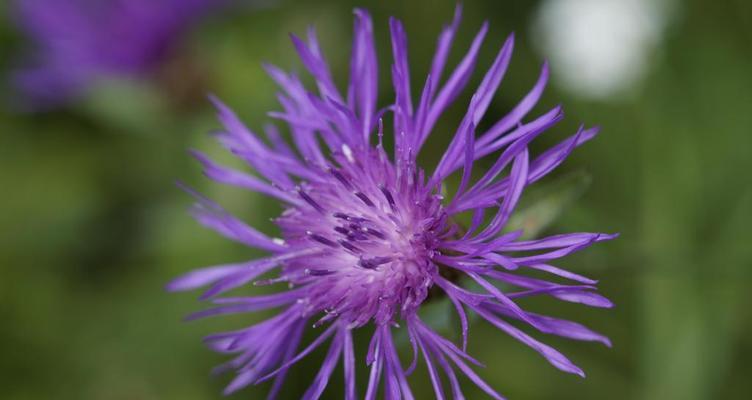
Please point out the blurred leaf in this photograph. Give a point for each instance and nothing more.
(131, 106)
(546, 203)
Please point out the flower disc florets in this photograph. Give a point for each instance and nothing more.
(374, 230)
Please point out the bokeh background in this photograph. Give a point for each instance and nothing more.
(92, 225)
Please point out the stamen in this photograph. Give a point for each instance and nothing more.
(310, 201)
(375, 232)
(321, 239)
(350, 218)
(388, 196)
(364, 198)
(373, 263)
(356, 236)
(341, 178)
(349, 246)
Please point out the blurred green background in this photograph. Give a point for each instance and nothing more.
(92, 225)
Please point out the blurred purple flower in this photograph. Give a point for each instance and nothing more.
(77, 42)
(368, 236)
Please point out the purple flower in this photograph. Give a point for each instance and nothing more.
(366, 235)
(79, 41)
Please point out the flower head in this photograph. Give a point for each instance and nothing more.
(366, 234)
(79, 41)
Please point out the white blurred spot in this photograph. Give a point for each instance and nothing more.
(348, 153)
(599, 48)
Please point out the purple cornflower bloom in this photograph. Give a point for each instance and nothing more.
(366, 235)
(80, 41)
